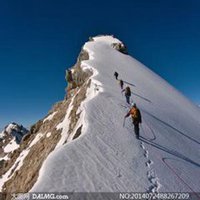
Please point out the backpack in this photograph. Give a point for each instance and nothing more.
(128, 91)
(136, 115)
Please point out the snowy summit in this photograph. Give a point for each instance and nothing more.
(108, 157)
(96, 149)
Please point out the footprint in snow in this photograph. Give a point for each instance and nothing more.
(154, 181)
(146, 153)
(149, 163)
(142, 146)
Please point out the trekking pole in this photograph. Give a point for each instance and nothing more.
(124, 122)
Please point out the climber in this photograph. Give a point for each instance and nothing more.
(136, 117)
(121, 83)
(127, 94)
(116, 75)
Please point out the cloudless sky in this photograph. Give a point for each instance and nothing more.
(39, 39)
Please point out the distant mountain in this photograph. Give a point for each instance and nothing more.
(14, 130)
(84, 144)
(11, 137)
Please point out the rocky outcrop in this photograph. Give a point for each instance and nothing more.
(11, 137)
(79, 75)
(44, 136)
(82, 56)
(120, 47)
(74, 115)
(39, 143)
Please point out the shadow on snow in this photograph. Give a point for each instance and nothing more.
(141, 97)
(173, 128)
(170, 151)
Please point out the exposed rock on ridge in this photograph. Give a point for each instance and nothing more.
(45, 136)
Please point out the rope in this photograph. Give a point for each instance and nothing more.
(158, 155)
(174, 171)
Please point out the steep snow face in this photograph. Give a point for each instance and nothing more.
(11, 146)
(108, 157)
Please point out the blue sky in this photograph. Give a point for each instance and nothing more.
(39, 39)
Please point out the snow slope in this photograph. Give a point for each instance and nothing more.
(11, 146)
(107, 157)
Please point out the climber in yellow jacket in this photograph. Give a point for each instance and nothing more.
(136, 118)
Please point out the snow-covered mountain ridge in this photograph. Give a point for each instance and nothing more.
(90, 148)
(11, 137)
(15, 130)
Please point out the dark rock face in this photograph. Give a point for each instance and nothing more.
(79, 75)
(120, 47)
(47, 132)
(83, 56)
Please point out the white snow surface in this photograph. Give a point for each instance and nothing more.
(36, 139)
(48, 134)
(11, 146)
(10, 127)
(107, 157)
(5, 158)
(2, 134)
(64, 125)
(50, 117)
